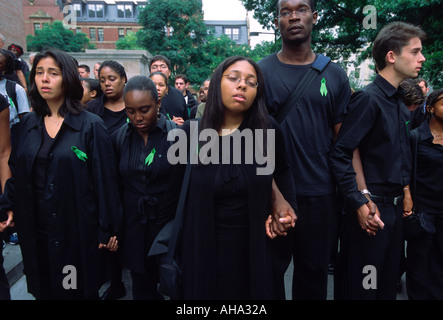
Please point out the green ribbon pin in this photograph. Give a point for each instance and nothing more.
(323, 88)
(80, 154)
(150, 157)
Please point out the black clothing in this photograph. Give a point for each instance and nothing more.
(424, 271)
(174, 104)
(378, 124)
(308, 127)
(113, 120)
(81, 209)
(429, 188)
(191, 103)
(143, 191)
(308, 131)
(224, 220)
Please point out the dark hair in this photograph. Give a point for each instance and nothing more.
(93, 84)
(182, 76)
(434, 97)
(394, 37)
(10, 61)
(158, 73)
(160, 58)
(114, 65)
(86, 67)
(422, 80)
(141, 83)
(311, 4)
(256, 116)
(412, 93)
(71, 85)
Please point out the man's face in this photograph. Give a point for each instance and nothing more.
(161, 66)
(423, 87)
(409, 62)
(295, 20)
(83, 73)
(180, 85)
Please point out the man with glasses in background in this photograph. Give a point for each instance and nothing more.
(173, 105)
(309, 127)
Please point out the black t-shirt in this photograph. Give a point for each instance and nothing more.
(308, 128)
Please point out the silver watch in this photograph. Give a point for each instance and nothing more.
(365, 191)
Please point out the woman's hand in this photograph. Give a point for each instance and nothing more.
(112, 245)
(7, 223)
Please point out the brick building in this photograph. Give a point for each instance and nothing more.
(11, 23)
(103, 21)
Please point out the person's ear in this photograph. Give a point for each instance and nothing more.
(93, 94)
(390, 57)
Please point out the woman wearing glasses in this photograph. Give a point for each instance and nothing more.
(226, 253)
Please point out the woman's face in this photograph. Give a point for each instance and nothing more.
(238, 87)
(162, 86)
(49, 80)
(437, 109)
(142, 110)
(111, 83)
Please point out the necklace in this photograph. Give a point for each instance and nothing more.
(58, 123)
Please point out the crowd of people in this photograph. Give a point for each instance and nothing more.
(87, 182)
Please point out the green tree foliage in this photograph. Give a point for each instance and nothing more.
(340, 30)
(56, 36)
(129, 42)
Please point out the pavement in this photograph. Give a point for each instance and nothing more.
(17, 280)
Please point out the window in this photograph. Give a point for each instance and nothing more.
(78, 30)
(92, 34)
(233, 33)
(100, 34)
(121, 33)
(124, 10)
(78, 9)
(37, 26)
(96, 11)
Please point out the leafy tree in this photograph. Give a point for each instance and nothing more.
(341, 30)
(56, 36)
(129, 42)
(176, 29)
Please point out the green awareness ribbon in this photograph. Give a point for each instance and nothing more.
(150, 157)
(80, 154)
(407, 127)
(169, 116)
(323, 88)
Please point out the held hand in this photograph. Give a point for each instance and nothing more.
(369, 218)
(7, 223)
(111, 246)
(407, 203)
(178, 120)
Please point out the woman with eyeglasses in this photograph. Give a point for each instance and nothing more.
(226, 253)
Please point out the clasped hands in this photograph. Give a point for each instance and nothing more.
(369, 218)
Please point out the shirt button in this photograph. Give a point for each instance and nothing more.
(51, 156)
(51, 186)
(53, 215)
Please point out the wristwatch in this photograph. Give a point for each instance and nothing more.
(365, 191)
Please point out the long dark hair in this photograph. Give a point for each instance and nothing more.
(256, 117)
(71, 84)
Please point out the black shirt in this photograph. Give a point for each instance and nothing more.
(429, 186)
(378, 124)
(308, 128)
(113, 120)
(174, 104)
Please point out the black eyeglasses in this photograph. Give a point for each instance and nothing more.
(299, 12)
(250, 82)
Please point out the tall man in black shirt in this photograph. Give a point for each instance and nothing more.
(309, 129)
(378, 125)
